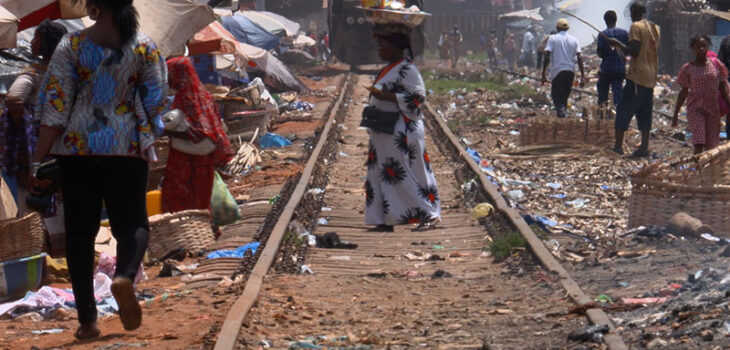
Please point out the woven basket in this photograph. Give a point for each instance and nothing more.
(21, 237)
(698, 186)
(157, 169)
(599, 132)
(189, 229)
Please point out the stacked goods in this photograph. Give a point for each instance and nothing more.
(393, 12)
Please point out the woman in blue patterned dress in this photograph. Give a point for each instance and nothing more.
(99, 107)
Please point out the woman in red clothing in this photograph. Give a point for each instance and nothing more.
(188, 181)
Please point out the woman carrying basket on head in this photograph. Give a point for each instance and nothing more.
(401, 186)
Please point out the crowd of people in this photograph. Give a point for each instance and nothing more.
(703, 81)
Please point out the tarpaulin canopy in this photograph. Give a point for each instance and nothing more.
(217, 40)
(171, 23)
(273, 23)
(249, 32)
(533, 15)
(16, 15)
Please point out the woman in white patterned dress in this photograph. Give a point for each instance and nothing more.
(401, 187)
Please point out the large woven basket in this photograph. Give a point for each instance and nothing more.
(189, 229)
(21, 237)
(599, 132)
(698, 186)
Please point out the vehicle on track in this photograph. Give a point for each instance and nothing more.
(351, 35)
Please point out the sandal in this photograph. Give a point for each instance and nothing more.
(382, 228)
(87, 332)
(129, 310)
(427, 225)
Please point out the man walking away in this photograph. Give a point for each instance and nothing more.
(456, 39)
(613, 66)
(561, 52)
(541, 48)
(637, 97)
(528, 48)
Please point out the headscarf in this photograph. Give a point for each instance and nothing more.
(199, 107)
(51, 34)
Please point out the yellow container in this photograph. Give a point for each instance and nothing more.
(154, 202)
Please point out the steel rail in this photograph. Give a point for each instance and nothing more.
(228, 335)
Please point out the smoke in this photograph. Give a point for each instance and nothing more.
(592, 11)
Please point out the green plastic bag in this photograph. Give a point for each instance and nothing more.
(222, 205)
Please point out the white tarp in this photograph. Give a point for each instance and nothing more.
(8, 29)
(171, 23)
(533, 15)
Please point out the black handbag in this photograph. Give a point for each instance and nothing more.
(378, 120)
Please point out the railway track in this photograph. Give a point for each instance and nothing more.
(332, 178)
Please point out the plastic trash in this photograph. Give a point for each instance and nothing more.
(474, 155)
(516, 195)
(239, 252)
(322, 221)
(558, 196)
(554, 185)
(481, 210)
(578, 203)
(48, 331)
(592, 333)
(307, 270)
(273, 140)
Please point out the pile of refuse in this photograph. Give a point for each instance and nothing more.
(693, 311)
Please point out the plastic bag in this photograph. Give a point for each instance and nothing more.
(222, 205)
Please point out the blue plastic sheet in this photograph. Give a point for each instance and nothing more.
(249, 32)
(474, 155)
(273, 140)
(236, 253)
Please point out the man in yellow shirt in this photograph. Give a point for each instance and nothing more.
(638, 95)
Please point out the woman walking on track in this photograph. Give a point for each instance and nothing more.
(18, 124)
(99, 108)
(400, 187)
(188, 181)
(702, 81)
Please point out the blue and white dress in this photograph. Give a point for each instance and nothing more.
(401, 187)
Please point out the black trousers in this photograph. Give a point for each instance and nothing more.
(120, 183)
(562, 85)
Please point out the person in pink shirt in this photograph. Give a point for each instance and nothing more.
(701, 80)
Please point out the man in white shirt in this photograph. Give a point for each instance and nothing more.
(561, 53)
(528, 48)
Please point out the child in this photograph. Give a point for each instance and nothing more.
(701, 81)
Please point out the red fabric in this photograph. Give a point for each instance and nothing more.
(52, 11)
(703, 108)
(199, 107)
(188, 182)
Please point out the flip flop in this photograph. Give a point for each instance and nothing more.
(129, 310)
(95, 333)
